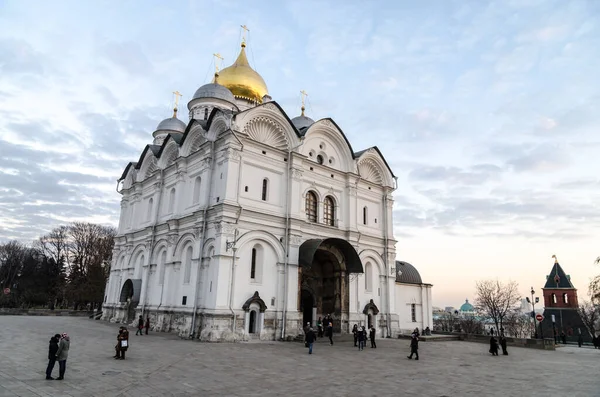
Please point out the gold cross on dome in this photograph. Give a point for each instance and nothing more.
(218, 58)
(303, 94)
(177, 96)
(246, 30)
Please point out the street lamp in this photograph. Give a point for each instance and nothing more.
(533, 302)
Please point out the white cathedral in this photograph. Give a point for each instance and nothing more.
(243, 223)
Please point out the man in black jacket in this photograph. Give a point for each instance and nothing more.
(372, 337)
(52, 349)
(310, 339)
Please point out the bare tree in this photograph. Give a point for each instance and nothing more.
(471, 325)
(12, 255)
(496, 300)
(518, 324)
(446, 322)
(590, 314)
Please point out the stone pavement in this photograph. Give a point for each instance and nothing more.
(163, 365)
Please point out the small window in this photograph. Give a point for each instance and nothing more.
(368, 277)
(311, 168)
(246, 188)
(565, 298)
(256, 263)
(375, 220)
(320, 159)
(413, 312)
(161, 266)
(365, 215)
(205, 113)
(218, 198)
(264, 152)
(184, 301)
(187, 267)
(197, 184)
(265, 188)
(253, 265)
(150, 207)
(172, 201)
(553, 298)
(329, 211)
(311, 206)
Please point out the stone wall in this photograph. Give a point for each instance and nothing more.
(542, 344)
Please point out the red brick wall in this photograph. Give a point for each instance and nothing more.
(571, 298)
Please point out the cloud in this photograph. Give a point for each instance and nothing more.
(475, 175)
(544, 158)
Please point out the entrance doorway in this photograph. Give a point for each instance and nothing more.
(252, 323)
(369, 320)
(324, 270)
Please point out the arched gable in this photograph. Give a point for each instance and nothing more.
(148, 164)
(139, 249)
(192, 140)
(370, 255)
(218, 123)
(327, 131)
(373, 167)
(120, 260)
(184, 241)
(255, 236)
(169, 153)
(268, 124)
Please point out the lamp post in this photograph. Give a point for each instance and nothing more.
(533, 301)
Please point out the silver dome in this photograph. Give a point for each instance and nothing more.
(302, 122)
(213, 90)
(171, 124)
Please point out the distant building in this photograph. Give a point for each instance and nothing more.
(560, 307)
(467, 309)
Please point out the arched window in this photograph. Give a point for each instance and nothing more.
(565, 298)
(265, 189)
(172, 201)
(150, 207)
(311, 206)
(329, 211)
(256, 262)
(365, 215)
(161, 267)
(187, 267)
(252, 325)
(553, 298)
(413, 312)
(141, 261)
(205, 113)
(368, 277)
(197, 184)
(320, 159)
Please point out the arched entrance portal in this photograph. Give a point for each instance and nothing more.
(325, 266)
(130, 297)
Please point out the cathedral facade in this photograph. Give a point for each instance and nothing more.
(244, 222)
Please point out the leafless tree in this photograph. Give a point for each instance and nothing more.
(12, 255)
(446, 322)
(495, 300)
(518, 324)
(590, 314)
(471, 325)
(55, 244)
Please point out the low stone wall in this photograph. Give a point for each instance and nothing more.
(542, 344)
(43, 312)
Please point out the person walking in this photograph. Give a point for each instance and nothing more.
(118, 345)
(355, 333)
(310, 339)
(414, 345)
(52, 349)
(372, 333)
(361, 338)
(493, 346)
(320, 327)
(62, 354)
(329, 332)
(503, 345)
(147, 325)
(140, 327)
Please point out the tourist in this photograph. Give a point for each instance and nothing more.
(320, 327)
(62, 354)
(140, 327)
(503, 345)
(596, 340)
(361, 338)
(563, 337)
(427, 331)
(355, 333)
(310, 339)
(147, 325)
(580, 340)
(493, 346)
(52, 349)
(123, 344)
(329, 331)
(414, 344)
(372, 337)
(118, 345)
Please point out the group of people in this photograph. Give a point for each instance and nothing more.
(494, 345)
(58, 351)
(360, 336)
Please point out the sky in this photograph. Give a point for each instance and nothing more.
(487, 111)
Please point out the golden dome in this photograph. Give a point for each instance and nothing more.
(242, 80)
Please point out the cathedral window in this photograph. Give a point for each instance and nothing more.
(172, 201)
(320, 159)
(311, 206)
(197, 184)
(187, 267)
(329, 211)
(150, 207)
(365, 215)
(265, 189)
(413, 312)
(256, 263)
(368, 277)
(205, 113)
(161, 267)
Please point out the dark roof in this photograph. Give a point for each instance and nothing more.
(124, 174)
(358, 154)
(351, 259)
(557, 278)
(407, 273)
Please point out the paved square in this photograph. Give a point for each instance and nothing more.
(163, 365)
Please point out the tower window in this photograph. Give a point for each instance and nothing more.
(205, 113)
(311, 206)
(413, 313)
(553, 298)
(265, 188)
(329, 211)
(565, 298)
